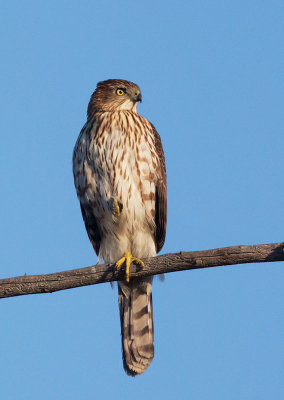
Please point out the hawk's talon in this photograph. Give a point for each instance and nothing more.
(116, 207)
(128, 259)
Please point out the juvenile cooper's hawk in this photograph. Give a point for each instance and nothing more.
(120, 178)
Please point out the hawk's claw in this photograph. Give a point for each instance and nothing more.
(128, 259)
(116, 207)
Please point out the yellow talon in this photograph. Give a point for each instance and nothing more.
(116, 206)
(128, 259)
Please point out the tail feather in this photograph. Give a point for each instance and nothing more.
(137, 332)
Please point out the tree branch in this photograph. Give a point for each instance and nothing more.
(172, 262)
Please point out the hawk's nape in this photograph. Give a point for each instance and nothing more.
(120, 178)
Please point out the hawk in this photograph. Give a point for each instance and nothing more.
(120, 178)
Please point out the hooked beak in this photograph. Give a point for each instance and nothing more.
(137, 97)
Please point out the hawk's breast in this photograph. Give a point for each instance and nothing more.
(119, 162)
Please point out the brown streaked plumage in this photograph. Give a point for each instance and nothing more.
(120, 178)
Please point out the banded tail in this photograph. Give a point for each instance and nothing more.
(136, 319)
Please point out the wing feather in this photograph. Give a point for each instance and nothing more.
(161, 194)
(79, 156)
(92, 228)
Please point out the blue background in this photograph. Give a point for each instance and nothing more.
(211, 75)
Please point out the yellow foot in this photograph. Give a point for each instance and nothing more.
(128, 259)
(116, 207)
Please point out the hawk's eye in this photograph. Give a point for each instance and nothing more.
(120, 92)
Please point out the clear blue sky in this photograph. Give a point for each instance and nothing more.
(211, 75)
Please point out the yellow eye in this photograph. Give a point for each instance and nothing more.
(120, 92)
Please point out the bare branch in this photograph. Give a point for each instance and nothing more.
(172, 262)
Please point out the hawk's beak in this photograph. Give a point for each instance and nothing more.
(137, 96)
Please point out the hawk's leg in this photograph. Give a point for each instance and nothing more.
(128, 259)
(116, 207)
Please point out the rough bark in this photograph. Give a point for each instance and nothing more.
(32, 284)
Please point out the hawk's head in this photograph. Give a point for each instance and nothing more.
(114, 95)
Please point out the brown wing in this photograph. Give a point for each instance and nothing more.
(161, 195)
(79, 155)
(92, 228)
